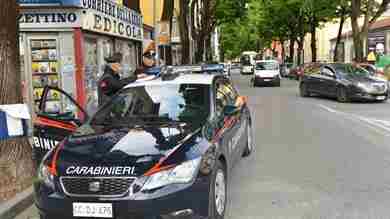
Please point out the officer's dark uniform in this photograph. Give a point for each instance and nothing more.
(110, 83)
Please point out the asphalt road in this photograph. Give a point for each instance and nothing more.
(315, 158)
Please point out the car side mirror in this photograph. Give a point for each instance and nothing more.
(230, 110)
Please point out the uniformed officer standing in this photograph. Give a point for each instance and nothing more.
(110, 83)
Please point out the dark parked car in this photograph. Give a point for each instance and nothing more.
(344, 82)
(160, 148)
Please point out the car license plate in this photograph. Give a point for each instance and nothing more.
(94, 210)
(380, 97)
(267, 79)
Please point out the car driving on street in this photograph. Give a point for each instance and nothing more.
(344, 82)
(216, 69)
(161, 147)
(266, 72)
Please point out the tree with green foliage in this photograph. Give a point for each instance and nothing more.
(369, 11)
(228, 11)
(317, 12)
(236, 33)
(343, 11)
(238, 37)
(279, 20)
(203, 23)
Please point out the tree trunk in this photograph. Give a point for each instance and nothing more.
(358, 47)
(209, 49)
(292, 49)
(313, 42)
(283, 51)
(300, 50)
(199, 49)
(168, 55)
(356, 32)
(16, 166)
(221, 48)
(336, 57)
(184, 33)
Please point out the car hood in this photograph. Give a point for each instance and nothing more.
(364, 79)
(93, 151)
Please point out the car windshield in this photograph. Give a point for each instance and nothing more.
(350, 70)
(266, 66)
(246, 60)
(369, 68)
(156, 103)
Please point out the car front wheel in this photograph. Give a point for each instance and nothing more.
(303, 90)
(342, 95)
(249, 142)
(218, 192)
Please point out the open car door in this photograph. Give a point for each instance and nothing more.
(57, 117)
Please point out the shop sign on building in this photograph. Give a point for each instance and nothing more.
(53, 18)
(376, 42)
(105, 16)
(50, 2)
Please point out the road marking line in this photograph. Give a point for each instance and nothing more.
(328, 108)
(375, 123)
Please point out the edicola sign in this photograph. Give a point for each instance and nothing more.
(108, 17)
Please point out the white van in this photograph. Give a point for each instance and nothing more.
(267, 72)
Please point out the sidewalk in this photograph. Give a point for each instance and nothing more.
(29, 213)
(18, 205)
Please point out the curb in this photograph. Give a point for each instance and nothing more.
(16, 205)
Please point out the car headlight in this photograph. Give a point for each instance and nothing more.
(45, 175)
(363, 86)
(183, 173)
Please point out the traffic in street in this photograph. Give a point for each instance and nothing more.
(313, 157)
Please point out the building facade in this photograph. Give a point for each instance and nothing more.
(64, 44)
(377, 41)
